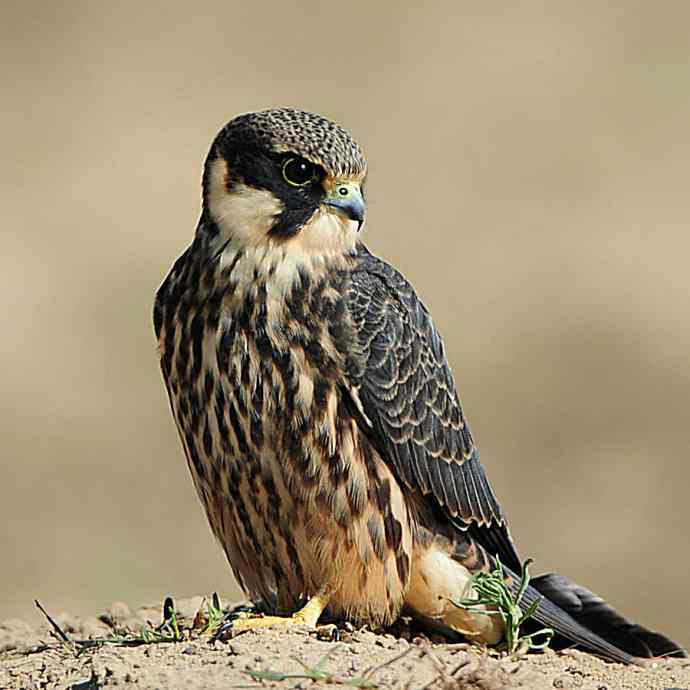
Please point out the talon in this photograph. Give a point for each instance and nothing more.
(224, 632)
(241, 621)
(329, 632)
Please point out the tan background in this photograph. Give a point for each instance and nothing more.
(528, 172)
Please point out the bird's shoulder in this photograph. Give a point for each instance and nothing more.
(385, 306)
(406, 377)
(167, 294)
(375, 277)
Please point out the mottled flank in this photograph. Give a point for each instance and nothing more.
(317, 409)
(293, 490)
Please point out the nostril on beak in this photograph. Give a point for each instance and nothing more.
(348, 199)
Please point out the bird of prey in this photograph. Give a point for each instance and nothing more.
(318, 413)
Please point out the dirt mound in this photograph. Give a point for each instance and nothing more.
(129, 649)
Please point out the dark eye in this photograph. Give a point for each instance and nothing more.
(298, 172)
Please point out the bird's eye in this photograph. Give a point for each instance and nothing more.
(298, 172)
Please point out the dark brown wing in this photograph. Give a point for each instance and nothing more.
(408, 394)
(414, 418)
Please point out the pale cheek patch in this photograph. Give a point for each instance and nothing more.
(326, 233)
(244, 214)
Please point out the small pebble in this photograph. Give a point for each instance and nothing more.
(567, 682)
(189, 649)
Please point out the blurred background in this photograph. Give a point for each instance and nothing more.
(528, 173)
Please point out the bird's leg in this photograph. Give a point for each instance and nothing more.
(308, 615)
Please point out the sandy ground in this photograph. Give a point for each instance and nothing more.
(528, 173)
(33, 658)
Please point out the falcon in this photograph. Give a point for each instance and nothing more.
(319, 415)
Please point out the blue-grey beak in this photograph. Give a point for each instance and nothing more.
(347, 197)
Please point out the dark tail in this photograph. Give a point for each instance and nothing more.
(583, 618)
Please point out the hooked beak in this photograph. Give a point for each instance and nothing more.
(347, 198)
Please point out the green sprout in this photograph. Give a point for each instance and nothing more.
(492, 591)
(168, 631)
(209, 616)
(214, 612)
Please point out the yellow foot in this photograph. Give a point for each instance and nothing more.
(244, 620)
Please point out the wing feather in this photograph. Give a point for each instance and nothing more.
(404, 384)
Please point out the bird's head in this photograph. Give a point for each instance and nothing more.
(285, 177)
